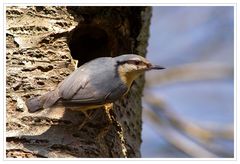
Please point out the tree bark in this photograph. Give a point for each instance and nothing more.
(43, 44)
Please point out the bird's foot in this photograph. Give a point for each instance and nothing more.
(107, 108)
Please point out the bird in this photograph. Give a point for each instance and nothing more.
(97, 83)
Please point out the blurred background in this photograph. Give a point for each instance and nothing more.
(188, 108)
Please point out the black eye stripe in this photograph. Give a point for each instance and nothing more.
(121, 62)
(135, 62)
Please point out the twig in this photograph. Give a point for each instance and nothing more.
(178, 140)
(206, 134)
(190, 72)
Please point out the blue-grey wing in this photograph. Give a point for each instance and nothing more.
(116, 93)
(92, 83)
(100, 97)
(76, 81)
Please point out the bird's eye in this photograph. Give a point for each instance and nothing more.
(137, 62)
(134, 62)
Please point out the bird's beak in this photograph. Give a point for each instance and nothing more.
(155, 67)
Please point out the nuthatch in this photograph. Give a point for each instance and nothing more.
(94, 84)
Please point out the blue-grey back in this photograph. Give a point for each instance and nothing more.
(94, 82)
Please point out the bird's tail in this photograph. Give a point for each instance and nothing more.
(41, 102)
(34, 104)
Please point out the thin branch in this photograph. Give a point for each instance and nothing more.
(206, 133)
(178, 140)
(170, 121)
(190, 72)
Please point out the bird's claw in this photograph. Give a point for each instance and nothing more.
(107, 108)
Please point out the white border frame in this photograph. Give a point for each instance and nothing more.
(122, 3)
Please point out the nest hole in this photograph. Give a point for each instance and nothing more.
(88, 42)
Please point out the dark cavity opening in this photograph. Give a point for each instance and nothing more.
(88, 42)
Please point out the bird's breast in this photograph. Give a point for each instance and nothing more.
(126, 78)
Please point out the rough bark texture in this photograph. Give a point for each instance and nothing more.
(41, 45)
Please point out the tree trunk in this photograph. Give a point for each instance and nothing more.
(42, 46)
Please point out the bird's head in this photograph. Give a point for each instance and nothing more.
(130, 66)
